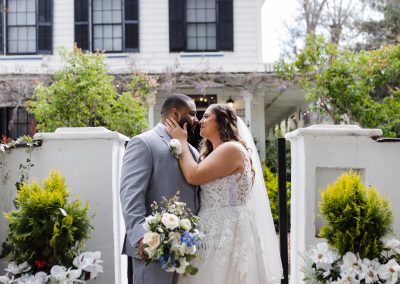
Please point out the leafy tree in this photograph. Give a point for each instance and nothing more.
(82, 94)
(357, 87)
(385, 30)
(335, 18)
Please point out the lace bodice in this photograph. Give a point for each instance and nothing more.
(229, 191)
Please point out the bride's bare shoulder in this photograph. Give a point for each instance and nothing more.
(230, 148)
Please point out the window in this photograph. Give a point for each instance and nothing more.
(26, 27)
(109, 25)
(16, 122)
(201, 25)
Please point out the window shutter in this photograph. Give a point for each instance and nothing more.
(176, 25)
(82, 24)
(131, 25)
(45, 22)
(225, 25)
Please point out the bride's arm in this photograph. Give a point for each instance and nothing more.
(223, 161)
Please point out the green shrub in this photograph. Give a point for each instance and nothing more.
(45, 227)
(357, 217)
(271, 183)
(271, 155)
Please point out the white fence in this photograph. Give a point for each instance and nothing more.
(320, 154)
(90, 159)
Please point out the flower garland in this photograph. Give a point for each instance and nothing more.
(21, 141)
(85, 262)
(324, 265)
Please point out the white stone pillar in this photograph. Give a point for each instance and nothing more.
(320, 153)
(150, 116)
(299, 117)
(90, 159)
(247, 97)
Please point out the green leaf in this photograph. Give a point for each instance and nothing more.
(191, 270)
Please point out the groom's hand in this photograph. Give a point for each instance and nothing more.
(141, 252)
(175, 130)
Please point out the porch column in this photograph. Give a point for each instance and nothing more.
(247, 97)
(150, 117)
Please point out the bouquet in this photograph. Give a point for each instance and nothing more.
(172, 237)
(325, 265)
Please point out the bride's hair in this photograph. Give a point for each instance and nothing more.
(226, 118)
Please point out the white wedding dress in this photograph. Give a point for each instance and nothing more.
(232, 251)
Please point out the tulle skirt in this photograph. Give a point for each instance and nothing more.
(230, 252)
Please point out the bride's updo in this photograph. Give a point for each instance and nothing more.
(226, 118)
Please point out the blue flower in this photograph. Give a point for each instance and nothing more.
(162, 260)
(189, 239)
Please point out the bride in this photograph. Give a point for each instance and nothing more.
(240, 244)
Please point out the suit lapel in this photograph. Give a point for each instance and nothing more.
(194, 152)
(166, 138)
(161, 132)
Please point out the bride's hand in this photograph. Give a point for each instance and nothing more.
(175, 131)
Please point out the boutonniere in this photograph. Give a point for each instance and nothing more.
(175, 147)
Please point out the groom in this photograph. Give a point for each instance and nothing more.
(149, 172)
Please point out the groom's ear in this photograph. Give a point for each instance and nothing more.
(175, 113)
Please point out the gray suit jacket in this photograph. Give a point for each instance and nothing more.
(150, 172)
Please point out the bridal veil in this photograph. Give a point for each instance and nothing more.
(269, 256)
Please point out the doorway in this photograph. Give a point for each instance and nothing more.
(195, 139)
(202, 103)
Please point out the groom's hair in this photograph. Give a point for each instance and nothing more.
(177, 101)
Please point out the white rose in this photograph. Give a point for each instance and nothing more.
(179, 249)
(150, 252)
(147, 221)
(171, 269)
(152, 240)
(174, 143)
(170, 221)
(185, 224)
(182, 265)
(191, 250)
(176, 147)
(175, 238)
(182, 249)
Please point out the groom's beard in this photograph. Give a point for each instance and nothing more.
(190, 128)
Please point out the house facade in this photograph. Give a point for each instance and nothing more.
(208, 49)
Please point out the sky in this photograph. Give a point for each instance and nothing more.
(274, 13)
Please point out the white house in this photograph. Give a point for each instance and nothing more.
(210, 49)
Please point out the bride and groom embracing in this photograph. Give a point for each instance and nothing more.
(223, 184)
